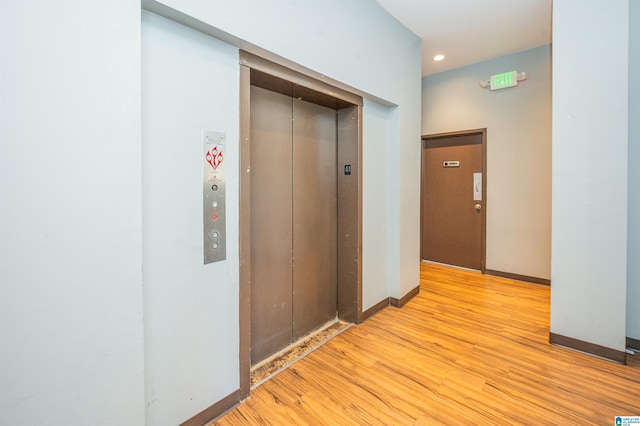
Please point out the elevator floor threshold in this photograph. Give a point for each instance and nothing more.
(264, 370)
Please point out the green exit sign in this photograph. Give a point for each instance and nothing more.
(504, 80)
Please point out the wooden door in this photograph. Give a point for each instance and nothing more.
(453, 199)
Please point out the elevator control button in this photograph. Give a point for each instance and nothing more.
(214, 204)
(214, 234)
(214, 245)
(214, 187)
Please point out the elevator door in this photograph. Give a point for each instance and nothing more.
(293, 220)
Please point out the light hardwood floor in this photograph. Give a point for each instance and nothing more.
(469, 349)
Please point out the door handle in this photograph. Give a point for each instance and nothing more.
(478, 207)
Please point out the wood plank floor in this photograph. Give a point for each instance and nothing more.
(469, 349)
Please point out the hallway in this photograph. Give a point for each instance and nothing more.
(469, 349)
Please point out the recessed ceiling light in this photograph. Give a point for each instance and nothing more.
(438, 57)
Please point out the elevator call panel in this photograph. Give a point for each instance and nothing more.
(213, 195)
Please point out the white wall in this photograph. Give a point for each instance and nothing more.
(71, 289)
(190, 82)
(518, 122)
(71, 332)
(590, 141)
(376, 195)
(343, 41)
(314, 39)
(633, 279)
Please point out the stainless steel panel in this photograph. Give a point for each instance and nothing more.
(314, 216)
(213, 193)
(271, 219)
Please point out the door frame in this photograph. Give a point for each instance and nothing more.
(483, 237)
(275, 77)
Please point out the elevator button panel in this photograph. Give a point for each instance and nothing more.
(213, 192)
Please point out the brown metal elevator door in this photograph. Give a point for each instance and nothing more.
(293, 220)
(271, 218)
(315, 211)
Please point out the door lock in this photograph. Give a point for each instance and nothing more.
(478, 207)
(477, 187)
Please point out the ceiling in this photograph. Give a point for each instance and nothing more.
(472, 31)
